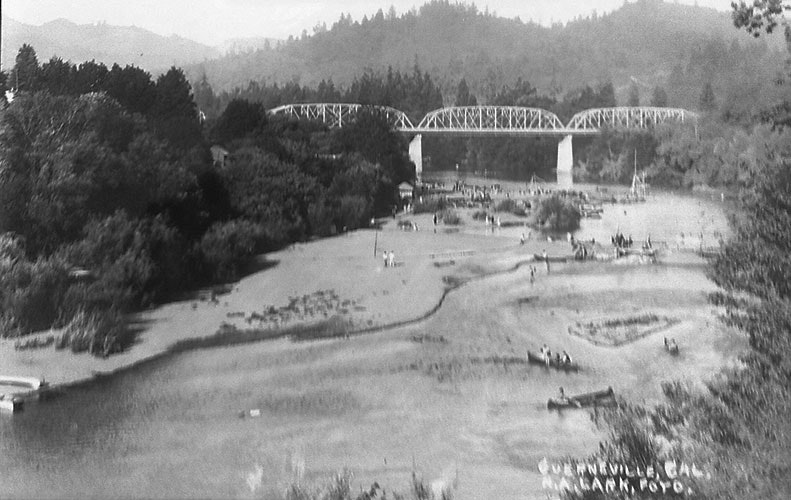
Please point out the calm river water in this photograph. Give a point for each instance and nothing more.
(168, 428)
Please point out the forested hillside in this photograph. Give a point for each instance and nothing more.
(677, 47)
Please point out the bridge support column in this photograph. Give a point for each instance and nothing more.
(416, 155)
(565, 162)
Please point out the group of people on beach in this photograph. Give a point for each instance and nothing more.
(620, 241)
(560, 359)
(671, 346)
(388, 258)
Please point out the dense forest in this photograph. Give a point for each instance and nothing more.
(647, 43)
(109, 172)
(678, 56)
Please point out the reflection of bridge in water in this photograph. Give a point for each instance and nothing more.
(497, 120)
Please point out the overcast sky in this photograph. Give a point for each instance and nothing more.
(212, 21)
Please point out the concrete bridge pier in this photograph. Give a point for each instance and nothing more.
(416, 155)
(565, 163)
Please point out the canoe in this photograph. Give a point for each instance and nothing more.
(25, 382)
(29, 388)
(598, 398)
(550, 258)
(535, 359)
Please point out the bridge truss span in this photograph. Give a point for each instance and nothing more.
(637, 117)
(483, 120)
(336, 115)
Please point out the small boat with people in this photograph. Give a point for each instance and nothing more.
(559, 362)
(605, 397)
(671, 347)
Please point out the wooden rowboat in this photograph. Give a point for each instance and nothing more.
(598, 398)
(536, 359)
(550, 258)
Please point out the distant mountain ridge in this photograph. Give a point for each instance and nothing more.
(101, 42)
(648, 42)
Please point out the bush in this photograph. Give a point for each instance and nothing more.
(479, 215)
(510, 205)
(136, 262)
(506, 205)
(227, 246)
(354, 212)
(31, 294)
(450, 217)
(430, 205)
(557, 214)
(100, 333)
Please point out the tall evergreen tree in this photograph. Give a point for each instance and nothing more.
(174, 112)
(91, 77)
(634, 95)
(132, 87)
(659, 97)
(707, 101)
(26, 73)
(463, 95)
(58, 76)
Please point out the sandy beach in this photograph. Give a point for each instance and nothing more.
(345, 265)
(419, 389)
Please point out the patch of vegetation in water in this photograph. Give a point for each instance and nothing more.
(229, 334)
(427, 337)
(621, 330)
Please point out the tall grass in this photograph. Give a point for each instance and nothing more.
(450, 217)
(339, 487)
(99, 332)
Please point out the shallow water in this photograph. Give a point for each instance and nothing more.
(679, 219)
(171, 427)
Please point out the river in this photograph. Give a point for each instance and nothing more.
(170, 427)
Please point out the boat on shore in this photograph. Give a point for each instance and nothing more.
(10, 403)
(31, 383)
(22, 389)
(536, 359)
(597, 398)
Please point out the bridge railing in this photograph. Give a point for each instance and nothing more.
(484, 120)
(336, 115)
(493, 119)
(641, 117)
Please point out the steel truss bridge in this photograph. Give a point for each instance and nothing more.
(500, 120)
(496, 120)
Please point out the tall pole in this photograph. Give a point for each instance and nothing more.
(376, 240)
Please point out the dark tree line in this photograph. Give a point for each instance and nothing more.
(414, 93)
(109, 172)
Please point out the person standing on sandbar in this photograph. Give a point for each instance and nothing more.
(546, 259)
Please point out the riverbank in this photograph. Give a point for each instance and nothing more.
(335, 277)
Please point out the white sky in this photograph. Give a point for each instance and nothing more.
(212, 21)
